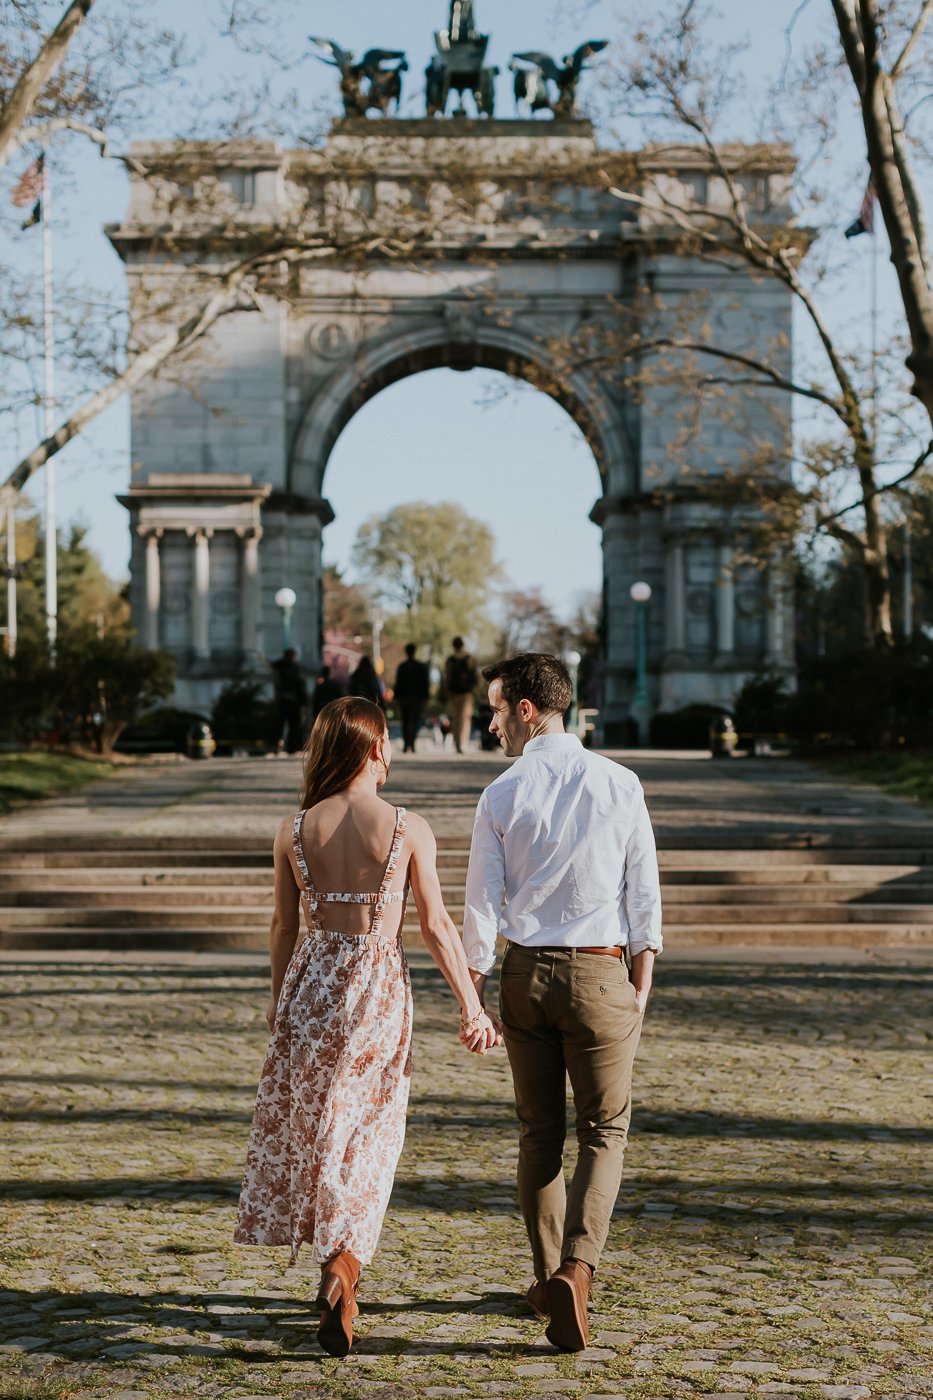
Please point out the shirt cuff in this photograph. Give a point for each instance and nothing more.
(481, 961)
(644, 942)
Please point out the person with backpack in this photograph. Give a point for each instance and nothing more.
(460, 678)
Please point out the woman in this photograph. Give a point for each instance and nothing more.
(330, 1112)
(366, 683)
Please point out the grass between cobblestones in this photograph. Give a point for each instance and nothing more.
(771, 1237)
(27, 777)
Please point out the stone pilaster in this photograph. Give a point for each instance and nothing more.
(675, 600)
(725, 606)
(200, 595)
(250, 595)
(153, 586)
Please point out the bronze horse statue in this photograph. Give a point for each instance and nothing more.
(383, 85)
(531, 84)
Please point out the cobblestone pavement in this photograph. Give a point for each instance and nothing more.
(771, 1238)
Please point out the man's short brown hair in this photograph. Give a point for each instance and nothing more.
(534, 676)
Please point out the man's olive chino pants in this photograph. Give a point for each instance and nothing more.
(564, 1013)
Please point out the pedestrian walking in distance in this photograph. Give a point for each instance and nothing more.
(330, 1111)
(291, 696)
(460, 681)
(563, 837)
(326, 689)
(412, 688)
(365, 682)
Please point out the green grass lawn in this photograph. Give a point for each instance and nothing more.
(26, 777)
(907, 774)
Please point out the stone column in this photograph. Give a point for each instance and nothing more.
(153, 599)
(725, 605)
(250, 595)
(776, 644)
(675, 589)
(200, 595)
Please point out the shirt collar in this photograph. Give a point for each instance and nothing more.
(551, 741)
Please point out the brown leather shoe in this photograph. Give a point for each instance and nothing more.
(336, 1298)
(568, 1292)
(536, 1298)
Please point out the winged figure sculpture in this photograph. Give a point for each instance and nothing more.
(383, 85)
(532, 84)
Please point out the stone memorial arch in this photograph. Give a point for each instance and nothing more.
(518, 250)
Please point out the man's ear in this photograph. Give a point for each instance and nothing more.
(525, 711)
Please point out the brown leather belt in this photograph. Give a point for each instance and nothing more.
(614, 952)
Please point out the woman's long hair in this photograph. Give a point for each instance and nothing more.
(339, 746)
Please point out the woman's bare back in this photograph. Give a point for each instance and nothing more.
(346, 841)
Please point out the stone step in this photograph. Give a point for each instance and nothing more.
(786, 874)
(257, 915)
(236, 936)
(161, 896)
(454, 852)
(920, 915)
(32, 891)
(792, 892)
(23, 876)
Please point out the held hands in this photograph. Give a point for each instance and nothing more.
(481, 1033)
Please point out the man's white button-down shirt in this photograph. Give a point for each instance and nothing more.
(563, 837)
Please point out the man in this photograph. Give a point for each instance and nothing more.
(460, 679)
(326, 689)
(563, 836)
(412, 687)
(291, 695)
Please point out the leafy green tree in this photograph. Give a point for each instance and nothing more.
(86, 596)
(437, 564)
(95, 688)
(99, 682)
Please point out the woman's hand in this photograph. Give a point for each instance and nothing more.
(480, 1035)
(270, 1014)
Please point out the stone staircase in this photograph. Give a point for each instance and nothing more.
(186, 894)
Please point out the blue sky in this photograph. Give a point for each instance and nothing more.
(517, 461)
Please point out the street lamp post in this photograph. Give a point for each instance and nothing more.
(572, 660)
(640, 594)
(286, 598)
(375, 620)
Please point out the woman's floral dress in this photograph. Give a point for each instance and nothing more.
(330, 1111)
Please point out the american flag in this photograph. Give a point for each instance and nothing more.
(865, 223)
(31, 184)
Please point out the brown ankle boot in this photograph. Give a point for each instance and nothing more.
(536, 1298)
(337, 1300)
(568, 1292)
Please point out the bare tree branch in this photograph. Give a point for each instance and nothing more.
(27, 90)
(897, 68)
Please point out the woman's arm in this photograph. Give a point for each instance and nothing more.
(283, 931)
(440, 935)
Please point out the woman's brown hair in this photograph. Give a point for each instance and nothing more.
(339, 746)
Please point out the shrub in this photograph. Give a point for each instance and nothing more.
(242, 715)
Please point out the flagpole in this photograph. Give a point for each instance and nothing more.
(51, 528)
(874, 343)
(11, 627)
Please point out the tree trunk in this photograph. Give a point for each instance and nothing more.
(895, 184)
(879, 631)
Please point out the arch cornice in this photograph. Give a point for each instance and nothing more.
(396, 357)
